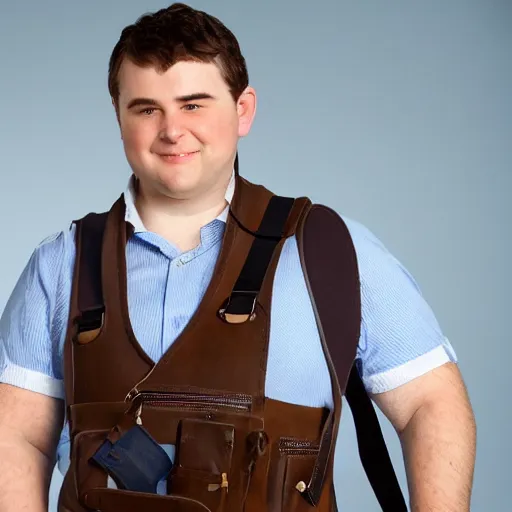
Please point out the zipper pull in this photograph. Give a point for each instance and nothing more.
(223, 485)
(138, 415)
(224, 493)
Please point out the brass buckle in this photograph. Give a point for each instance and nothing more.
(89, 325)
(239, 318)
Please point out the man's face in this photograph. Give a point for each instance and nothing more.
(180, 128)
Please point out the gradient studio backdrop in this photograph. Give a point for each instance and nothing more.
(397, 114)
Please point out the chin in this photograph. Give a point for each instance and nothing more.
(178, 187)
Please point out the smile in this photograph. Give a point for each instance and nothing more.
(178, 157)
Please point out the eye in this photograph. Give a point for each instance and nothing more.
(192, 106)
(147, 111)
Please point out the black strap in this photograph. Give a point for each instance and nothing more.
(236, 164)
(242, 300)
(372, 447)
(90, 231)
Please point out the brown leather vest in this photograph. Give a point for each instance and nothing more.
(236, 449)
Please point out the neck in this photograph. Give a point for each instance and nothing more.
(179, 220)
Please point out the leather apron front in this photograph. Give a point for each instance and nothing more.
(235, 449)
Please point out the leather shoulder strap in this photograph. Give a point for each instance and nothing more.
(90, 231)
(87, 308)
(329, 263)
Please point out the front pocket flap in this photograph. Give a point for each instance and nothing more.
(205, 446)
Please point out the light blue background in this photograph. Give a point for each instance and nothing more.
(397, 114)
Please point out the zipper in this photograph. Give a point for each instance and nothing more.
(192, 400)
(291, 446)
(187, 401)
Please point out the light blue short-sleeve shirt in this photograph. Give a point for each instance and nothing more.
(400, 336)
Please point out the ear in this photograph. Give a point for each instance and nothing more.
(246, 109)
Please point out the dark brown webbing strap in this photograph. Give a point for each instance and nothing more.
(244, 295)
(90, 290)
(330, 264)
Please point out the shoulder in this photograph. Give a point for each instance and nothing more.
(366, 242)
(33, 321)
(54, 251)
(376, 263)
(379, 268)
(57, 242)
(48, 272)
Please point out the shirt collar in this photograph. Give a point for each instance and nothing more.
(132, 215)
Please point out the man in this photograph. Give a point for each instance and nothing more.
(181, 95)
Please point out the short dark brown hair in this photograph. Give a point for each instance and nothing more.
(179, 33)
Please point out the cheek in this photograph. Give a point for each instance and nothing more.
(221, 130)
(136, 139)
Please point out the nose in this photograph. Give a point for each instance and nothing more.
(171, 129)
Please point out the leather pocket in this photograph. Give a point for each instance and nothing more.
(203, 461)
(295, 465)
(87, 474)
(109, 500)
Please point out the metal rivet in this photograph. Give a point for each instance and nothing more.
(301, 486)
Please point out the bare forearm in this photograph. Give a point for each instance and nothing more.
(25, 475)
(439, 450)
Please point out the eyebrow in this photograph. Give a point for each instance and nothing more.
(140, 101)
(182, 99)
(195, 96)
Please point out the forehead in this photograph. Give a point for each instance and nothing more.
(182, 78)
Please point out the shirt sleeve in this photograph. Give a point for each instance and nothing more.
(400, 336)
(33, 324)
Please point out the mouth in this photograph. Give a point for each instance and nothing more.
(177, 157)
(185, 153)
